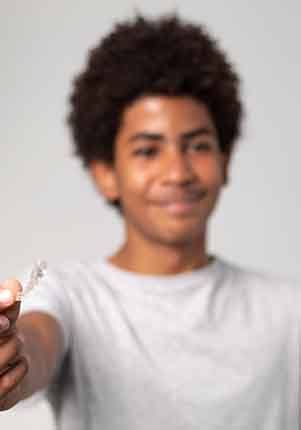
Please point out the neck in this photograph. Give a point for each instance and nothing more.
(138, 255)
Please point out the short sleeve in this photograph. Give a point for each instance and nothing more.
(50, 295)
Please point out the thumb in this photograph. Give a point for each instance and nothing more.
(9, 306)
(9, 292)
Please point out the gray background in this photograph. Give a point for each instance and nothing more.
(49, 207)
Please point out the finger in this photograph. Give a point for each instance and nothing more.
(10, 384)
(9, 307)
(4, 323)
(9, 351)
(12, 312)
(11, 364)
(9, 292)
(6, 334)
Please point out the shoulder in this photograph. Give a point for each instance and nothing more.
(265, 288)
(72, 274)
(59, 279)
(80, 280)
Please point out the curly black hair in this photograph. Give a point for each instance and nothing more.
(162, 56)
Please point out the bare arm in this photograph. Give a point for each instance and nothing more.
(43, 347)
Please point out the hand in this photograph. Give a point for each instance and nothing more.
(13, 365)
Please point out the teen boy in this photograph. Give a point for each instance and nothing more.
(160, 335)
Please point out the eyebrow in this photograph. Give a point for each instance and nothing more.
(155, 137)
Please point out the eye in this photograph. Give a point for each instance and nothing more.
(146, 152)
(201, 146)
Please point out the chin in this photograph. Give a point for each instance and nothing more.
(181, 237)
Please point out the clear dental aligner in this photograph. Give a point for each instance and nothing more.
(36, 274)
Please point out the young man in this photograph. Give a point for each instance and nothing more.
(160, 335)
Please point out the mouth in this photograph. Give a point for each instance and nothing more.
(183, 205)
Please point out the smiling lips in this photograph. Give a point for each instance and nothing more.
(178, 208)
(186, 204)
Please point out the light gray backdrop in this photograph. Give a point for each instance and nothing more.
(49, 207)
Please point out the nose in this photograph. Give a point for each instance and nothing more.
(178, 168)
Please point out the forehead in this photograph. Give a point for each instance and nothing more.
(155, 111)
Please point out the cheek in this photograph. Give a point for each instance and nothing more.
(210, 172)
(132, 182)
(137, 180)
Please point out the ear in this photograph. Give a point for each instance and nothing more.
(105, 179)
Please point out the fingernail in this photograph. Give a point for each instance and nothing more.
(6, 297)
(4, 323)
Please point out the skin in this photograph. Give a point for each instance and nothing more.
(30, 348)
(166, 147)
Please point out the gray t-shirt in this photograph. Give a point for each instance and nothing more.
(214, 348)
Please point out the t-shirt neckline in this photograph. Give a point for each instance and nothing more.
(160, 283)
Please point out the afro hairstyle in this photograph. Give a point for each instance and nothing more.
(162, 56)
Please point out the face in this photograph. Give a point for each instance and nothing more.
(168, 169)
